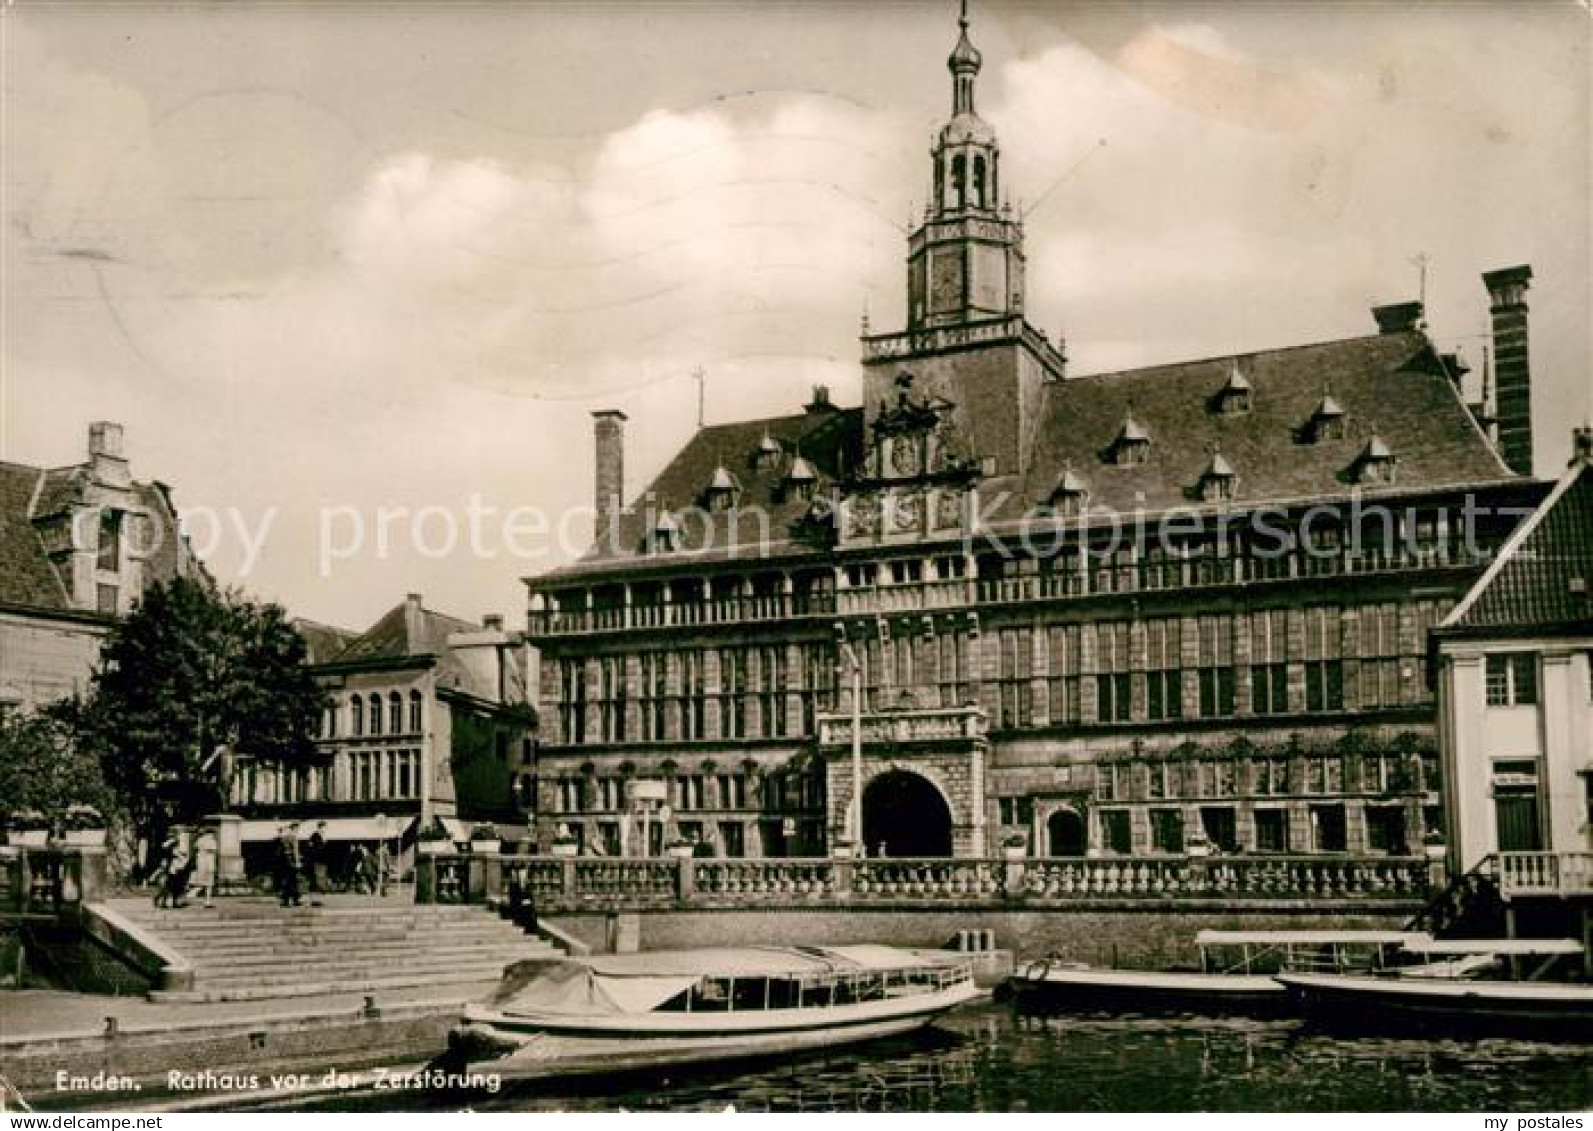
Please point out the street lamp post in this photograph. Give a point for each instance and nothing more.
(854, 811)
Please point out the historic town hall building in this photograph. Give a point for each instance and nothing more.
(1110, 614)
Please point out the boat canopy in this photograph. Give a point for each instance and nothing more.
(1495, 946)
(640, 983)
(1310, 938)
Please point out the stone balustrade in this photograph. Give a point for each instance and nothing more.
(620, 883)
(50, 881)
(1544, 873)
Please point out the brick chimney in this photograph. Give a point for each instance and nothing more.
(413, 622)
(107, 464)
(821, 400)
(1398, 317)
(1507, 294)
(608, 429)
(493, 622)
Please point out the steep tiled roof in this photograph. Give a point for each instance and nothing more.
(1391, 381)
(1390, 385)
(826, 440)
(398, 636)
(323, 642)
(26, 575)
(1543, 576)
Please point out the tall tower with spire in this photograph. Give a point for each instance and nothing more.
(967, 345)
(965, 261)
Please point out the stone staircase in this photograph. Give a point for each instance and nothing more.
(254, 950)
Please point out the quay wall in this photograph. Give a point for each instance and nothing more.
(1139, 934)
(313, 1043)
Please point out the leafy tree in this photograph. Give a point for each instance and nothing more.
(191, 669)
(43, 770)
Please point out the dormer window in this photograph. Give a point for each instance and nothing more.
(800, 480)
(665, 536)
(1234, 397)
(1376, 463)
(768, 454)
(722, 490)
(1327, 422)
(1069, 495)
(1132, 446)
(1217, 481)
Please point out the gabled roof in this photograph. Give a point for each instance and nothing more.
(404, 633)
(1543, 575)
(26, 575)
(30, 496)
(1218, 468)
(323, 642)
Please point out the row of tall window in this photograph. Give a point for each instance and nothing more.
(1382, 773)
(376, 714)
(1188, 668)
(661, 696)
(1323, 658)
(687, 792)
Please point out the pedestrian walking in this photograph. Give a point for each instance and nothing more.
(206, 853)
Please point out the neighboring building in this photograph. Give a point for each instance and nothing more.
(1514, 665)
(1030, 669)
(78, 546)
(428, 718)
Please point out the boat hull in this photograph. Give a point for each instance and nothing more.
(1556, 1010)
(1148, 991)
(525, 1047)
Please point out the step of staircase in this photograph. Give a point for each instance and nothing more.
(254, 950)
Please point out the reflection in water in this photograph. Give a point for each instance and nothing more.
(995, 1058)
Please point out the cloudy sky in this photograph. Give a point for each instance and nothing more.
(324, 261)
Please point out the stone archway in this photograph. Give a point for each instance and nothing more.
(1065, 833)
(904, 814)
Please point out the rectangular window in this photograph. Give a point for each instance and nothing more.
(1114, 684)
(1063, 685)
(1114, 697)
(1511, 679)
(1164, 679)
(109, 557)
(1272, 830)
(1324, 685)
(1115, 832)
(1385, 829)
(1167, 830)
(1327, 828)
(572, 702)
(105, 599)
(1269, 689)
(1221, 827)
(733, 692)
(1016, 692)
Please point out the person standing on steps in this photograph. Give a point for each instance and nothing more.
(315, 863)
(206, 851)
(288, 865)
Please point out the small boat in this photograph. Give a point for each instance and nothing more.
(616, 1013)
(1235, 975)
(1455, 985)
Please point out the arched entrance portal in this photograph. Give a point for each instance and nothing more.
(1064, 834)
(904, 815)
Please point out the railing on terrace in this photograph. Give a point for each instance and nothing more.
(49, 881)
(1090, 580)
(1543, 873)
(602, 883)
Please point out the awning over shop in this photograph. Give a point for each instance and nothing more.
(337, 828)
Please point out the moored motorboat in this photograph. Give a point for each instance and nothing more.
(614, 1013)
(1235, 975)
(1450, 986)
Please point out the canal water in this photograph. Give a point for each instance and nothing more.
(996, 1058)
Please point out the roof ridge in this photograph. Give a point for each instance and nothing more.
(1236, 357)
